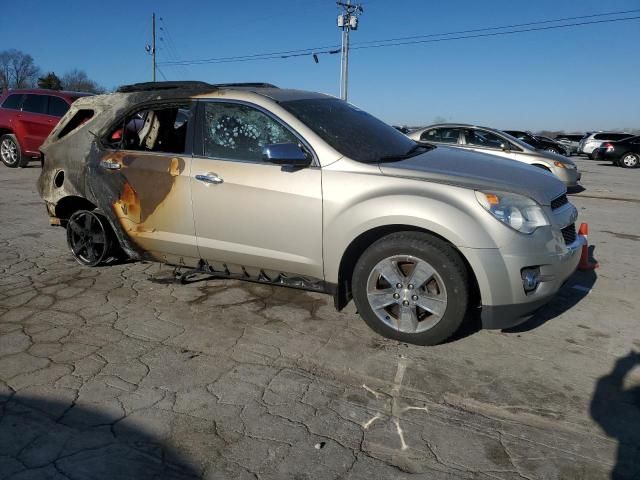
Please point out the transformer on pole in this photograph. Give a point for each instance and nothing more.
(347, 21)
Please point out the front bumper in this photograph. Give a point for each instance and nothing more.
(504, 301)
(569, 176)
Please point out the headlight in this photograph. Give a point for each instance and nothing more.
(517, 211)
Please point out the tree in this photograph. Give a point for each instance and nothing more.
(50, 81)
(17, 69)
(78, 81)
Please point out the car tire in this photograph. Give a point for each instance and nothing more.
(89, 238)
(629, 160)
(411, 287)
(10, 153)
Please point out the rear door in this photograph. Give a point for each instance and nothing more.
(35, 120)
(145, 177)
(253, 218)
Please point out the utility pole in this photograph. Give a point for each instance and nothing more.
(347, 21)
(151, 49)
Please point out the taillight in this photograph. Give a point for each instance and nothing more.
(608, 147)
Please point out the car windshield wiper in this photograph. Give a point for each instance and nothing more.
(417, 149)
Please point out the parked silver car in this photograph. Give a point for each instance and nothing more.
(496, 142)
(570, 142)
(300, 189)
(592, 141)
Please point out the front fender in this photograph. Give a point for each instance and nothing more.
(452, 217)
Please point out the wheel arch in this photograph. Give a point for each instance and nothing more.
(541, 165)
(342, 293)
(67, 206)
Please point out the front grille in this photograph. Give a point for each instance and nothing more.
(558, 202)
(569, 234)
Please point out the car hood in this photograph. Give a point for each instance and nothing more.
(478, 171)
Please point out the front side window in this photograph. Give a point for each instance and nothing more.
(441, 135)
(239, 132)
(157, 129)
(481, 138)
(57, 106)
(13, 101)
(35, 103)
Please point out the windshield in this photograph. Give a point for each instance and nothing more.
(351, 131)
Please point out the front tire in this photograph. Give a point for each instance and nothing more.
(89, 238)
(411, 287)
(629, 160)
(10, 153)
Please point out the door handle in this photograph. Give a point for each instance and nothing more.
(209, 178)
(109, 165)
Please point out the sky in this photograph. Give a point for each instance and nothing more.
(573, 79)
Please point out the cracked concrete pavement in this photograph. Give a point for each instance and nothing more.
(117, 372)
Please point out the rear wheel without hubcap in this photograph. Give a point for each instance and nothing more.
(411, 287)
(88, 237)
(9, 151)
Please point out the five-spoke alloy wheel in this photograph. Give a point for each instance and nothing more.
(88, 237)
(411, 287)
(406, 293)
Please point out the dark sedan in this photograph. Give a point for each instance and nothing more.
(624, 153)
(540, 143)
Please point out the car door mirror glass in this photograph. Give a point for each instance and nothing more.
(285, 154)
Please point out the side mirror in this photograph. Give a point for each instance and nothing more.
(505, 147)
(285, 154)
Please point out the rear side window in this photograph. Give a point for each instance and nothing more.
(160, 129)
(611, 136)
(57, 107)
(35, 103)
(13, 101)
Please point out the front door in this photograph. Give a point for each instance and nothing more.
(487, 142)
(146, 177)
(253, 218)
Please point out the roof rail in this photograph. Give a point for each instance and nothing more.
(188, 85)
(247, 84)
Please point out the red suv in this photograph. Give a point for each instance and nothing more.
(26, 119)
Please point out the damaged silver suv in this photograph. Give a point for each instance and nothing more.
(300, 189)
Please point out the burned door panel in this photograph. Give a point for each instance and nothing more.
(147, 189)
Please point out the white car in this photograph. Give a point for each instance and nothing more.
(593, 140)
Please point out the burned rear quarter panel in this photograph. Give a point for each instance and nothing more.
(118, 196)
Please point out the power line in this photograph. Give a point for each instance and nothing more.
(495, 34)
(171, 49)
(330, 49)
(504, 27)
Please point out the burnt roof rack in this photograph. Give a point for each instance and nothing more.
(187, 85)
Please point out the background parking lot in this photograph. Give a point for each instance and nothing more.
(121, 372)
